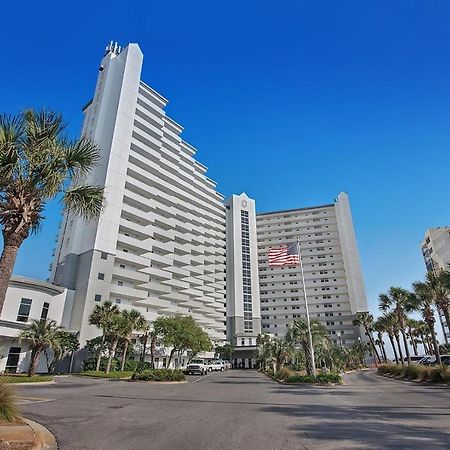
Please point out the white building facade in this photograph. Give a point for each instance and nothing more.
(333, 276)
(159, 244)
(27, 300)
(436, 253)
(243, 306)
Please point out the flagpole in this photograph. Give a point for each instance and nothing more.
(311, 348)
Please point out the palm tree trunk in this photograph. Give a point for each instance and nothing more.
(172, 352)
(400, 353)
(124, 356)
(152, 352)
(99, 356)
(405, 343)
(446, 315)
(33, 362)
(435, 343)
(413, 342)
(7, 261)
(144, 347)
(112, 354)
(393, 348)
(372, 343)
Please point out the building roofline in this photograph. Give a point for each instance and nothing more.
(39, 285)
(294, 210)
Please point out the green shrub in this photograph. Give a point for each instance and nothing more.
(89, 364)
(320, 378)
(284, 373)
(8, 410)
(411, 372)
(114, 374)
(159, 375)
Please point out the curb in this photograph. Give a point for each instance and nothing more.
(406, 380)
(35, 383)
(44, 439)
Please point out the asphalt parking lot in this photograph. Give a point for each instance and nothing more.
(241, 410)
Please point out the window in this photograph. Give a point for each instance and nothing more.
(122, 266)
(101, 276)
(24, 310)
(118, 301)
(13, 359)
(44, 312)
(98, 298)
(120, 283)
(104, 255)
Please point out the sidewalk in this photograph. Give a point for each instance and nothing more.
(25, 434)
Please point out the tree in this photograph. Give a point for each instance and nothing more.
(225, 352)
(281, 349)
(41, 335)
(365, 320)
(387, 322)
(298, 334)
(397, 300)
(102, 317)
(439, 287)
(37, 164)
(135, 321)
(423, 300)
(264, 343)
(379, 327)
(118, 329)
(182, 333)
(67, 344)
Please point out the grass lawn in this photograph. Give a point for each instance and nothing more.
(19, 378)
(114, 375)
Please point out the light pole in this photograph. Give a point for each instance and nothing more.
(338, 334)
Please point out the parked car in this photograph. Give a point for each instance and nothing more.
(427, 360)
(197, 366)
(216, 366)
(227, 364)
(415, 359)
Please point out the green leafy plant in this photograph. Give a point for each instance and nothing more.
(159, 375)
(8, 410)
(115, 374)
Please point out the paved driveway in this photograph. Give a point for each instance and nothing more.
(242, 410)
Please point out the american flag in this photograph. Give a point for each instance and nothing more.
(284, 256)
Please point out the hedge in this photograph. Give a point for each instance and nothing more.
(435, 374)
(8, 409)
(90, 364)
(17, 378)
(115, 374)
(322, 378)
(159, 375)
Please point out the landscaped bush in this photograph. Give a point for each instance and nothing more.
(284, 373)
(159, 375)
(323, 378)
(8, 409)
(435, 374)
(114, 374)
(89, 364)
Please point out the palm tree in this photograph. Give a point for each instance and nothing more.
(298, 334)
(38, 164)
(439, 285)
(264, 342)
(118, 329)
(388, 323)
(423, 300)
(365, 320)
(412, 325)
(379, 327)
(41, 334)
(423, 331)
(397, 300)
(280, 350)
(135, 321)
(102, 316)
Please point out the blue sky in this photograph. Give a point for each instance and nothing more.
(291, 102)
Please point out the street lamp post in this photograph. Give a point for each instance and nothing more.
(338, 334)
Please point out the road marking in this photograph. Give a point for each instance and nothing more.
(30, 400)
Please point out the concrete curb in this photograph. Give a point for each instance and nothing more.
(35, 383)
(406, 380)
(44, 439)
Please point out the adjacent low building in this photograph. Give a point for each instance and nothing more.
(333, 276)
(26, 300)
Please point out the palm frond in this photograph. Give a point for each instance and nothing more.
(85, 201)
(80, 156)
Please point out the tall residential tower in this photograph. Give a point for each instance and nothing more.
(159, 245)
(333, 277)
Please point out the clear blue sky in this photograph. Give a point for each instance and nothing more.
(291, 102)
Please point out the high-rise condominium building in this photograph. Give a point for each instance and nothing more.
(333, 277)
(159, 245)
(243, 307)
(436, 253)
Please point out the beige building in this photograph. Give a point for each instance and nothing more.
(333, 277)
(436, 253)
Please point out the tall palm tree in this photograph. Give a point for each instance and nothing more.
(298, 334)
(37, 164)
(118, 330)
(365, 319)
(396, 300)
(280, 349)
(102, 316)
(379, 327)
(423, 331)
(388, 323)
(423, 301)
(41, 335)
(135, 321)
(439, 285)
(412, 325)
